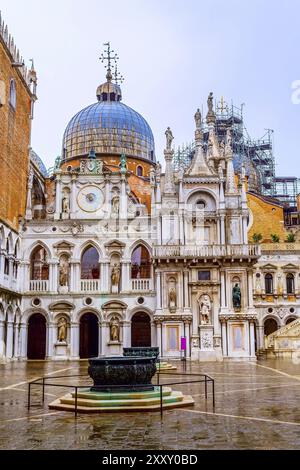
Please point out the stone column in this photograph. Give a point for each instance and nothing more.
(260, 334)
(28, 213)
(188, 340)
(224, 338)
(2, 261)
(53, 275)
(9, 339)
(250, 288)
(123, 198)
(222, 230)
(105, 276)
(126, 334)
(74, 340)
(73, 195)
(252, 340)
(23, 334)
(51, 338)
(57, 196)
(186, 304)
(245, 231)
(126, 276)
(223, 290)
(2, 344)
(16, 340)
(107, 193)
(158, 290)
(159, 337)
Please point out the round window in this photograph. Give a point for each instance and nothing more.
(88, 301)
(36, 302)
(141, 300)
(270, 310)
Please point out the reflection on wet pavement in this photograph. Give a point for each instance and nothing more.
(257, 407)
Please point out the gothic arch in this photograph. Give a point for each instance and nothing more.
(80, 249)
(142, 309)
(136, 243)
(32, 247)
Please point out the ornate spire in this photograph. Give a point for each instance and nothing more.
(109, 58)
(199, 165)
(230, 180)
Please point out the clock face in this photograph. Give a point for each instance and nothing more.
(90, 198)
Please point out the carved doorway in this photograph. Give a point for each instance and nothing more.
(88, 336)
(36, 342)
(140, 330)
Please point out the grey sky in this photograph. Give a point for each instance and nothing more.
(172, 54)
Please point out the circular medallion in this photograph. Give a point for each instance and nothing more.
(90, 198)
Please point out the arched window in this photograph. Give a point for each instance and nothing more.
(12, 94)
(6, 259)
(290, 284)
(90, 263)
(269, 283)
(139, 171)
(39, 268)
(140, 263)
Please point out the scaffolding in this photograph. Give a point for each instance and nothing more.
(286, 190)
(255, 155)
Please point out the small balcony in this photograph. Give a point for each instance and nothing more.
(90, 285)
(141, 285)
(39, 285)
(206, 251)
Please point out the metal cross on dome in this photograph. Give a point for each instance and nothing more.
(117, 76)
(109, 57)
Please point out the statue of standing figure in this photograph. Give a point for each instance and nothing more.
(198, 119)
(62, 329)
(66, 203)
(114, 329)
(172, 298)
(236, 296)
(205, 309)
(63, 271)
(169, 138)
(115, 275)
(210, 102)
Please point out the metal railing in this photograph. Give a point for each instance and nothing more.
(41, 381)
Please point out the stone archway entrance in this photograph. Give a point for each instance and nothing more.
(140, 330)
(270, 326)
(36, 343)
(88, 336)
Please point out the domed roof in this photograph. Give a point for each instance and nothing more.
(108, 127)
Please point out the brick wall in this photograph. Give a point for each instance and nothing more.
(14, 143)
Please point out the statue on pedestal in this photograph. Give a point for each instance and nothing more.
(66, 204)
(62, 330)
(236, 296)
(205, 309)
(172, 298)
(169, 138)
(115, 275)
(114, 329)
(63, 271)
(198, 119)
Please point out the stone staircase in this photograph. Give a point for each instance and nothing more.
(283, 342)
(91, 402)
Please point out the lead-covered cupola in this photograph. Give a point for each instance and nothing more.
(109, 127)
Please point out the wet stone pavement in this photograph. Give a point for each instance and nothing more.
(257, 407)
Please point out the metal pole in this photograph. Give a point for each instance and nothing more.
(43, 389)
(161, 401)
(213, 392)
(29, 396)
(205, 388)
(75, 402)
(157, 372)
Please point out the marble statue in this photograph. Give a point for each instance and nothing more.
(236, 296)
(62, 329)
(258, 285)
(115, 205)
(66, 204)
(205, 309)
(198, 119)
(210, 102)
(169, 138)
(279, 284)
(115, 275)
(63, 271)
(172, 298)
(114, 329)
